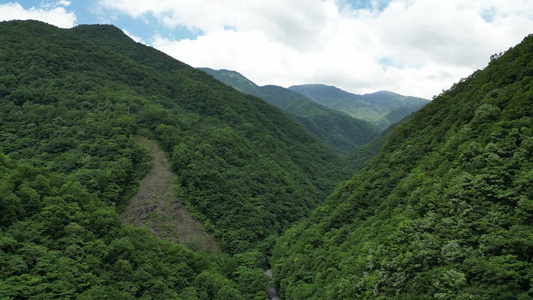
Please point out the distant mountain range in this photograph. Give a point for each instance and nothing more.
(334, 128)
(381, 108)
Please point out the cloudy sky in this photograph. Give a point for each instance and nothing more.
(413, 47)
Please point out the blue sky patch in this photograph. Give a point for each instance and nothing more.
(488, 14)
(380, 5)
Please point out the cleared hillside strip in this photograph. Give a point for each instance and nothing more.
(156, 206)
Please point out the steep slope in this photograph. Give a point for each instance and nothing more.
(235, 79)
(156, 206)
(443, 212)
(381, 108)
(71, 160)
(60, 241)
(243, 165)
(360, 156)
(333, 128)
(71, 102)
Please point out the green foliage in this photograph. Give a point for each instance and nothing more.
(71, 103)
(382, 108)
(329, 126)
(444, 211)
(235, 80)
(242, 164)
(70, 243)
(360, 156)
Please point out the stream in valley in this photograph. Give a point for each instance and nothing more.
(271, 290)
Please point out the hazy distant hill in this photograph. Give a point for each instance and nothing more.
(332, 127)
(444, 211)
(381, 108)
(234, 79)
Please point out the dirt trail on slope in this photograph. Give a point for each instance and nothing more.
(156, 206)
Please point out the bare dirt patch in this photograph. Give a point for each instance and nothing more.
(156, 206)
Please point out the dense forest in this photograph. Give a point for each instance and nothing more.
(443, 212)
(331, 127)
(72, 102)
(360, 156)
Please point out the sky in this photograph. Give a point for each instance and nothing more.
(412, 47)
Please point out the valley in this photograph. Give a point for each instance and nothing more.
(72, 107)
(337, 118)
(125, 173)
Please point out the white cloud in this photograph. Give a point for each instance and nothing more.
(133, 37)
(428, 45)
(54, 4)
(54, 13)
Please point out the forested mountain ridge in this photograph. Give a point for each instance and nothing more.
(332, 127)
(71, 103)
(381, 108)
(444, 211)
(236, 80)
(360, 156)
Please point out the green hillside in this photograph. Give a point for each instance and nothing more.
(360, 156)
(331, 127)
(443, 212)
(72, 102)
(236, 80)
(381, 108)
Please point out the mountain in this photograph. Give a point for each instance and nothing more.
(381, 108)
(73, 103)
(360, 156)
(234, 79)
(443, 212)
(331, 127)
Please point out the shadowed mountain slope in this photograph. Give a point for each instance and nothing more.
(331, 127)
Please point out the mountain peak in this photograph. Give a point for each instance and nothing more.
(233, 79)
(382, 108)
(102, 31)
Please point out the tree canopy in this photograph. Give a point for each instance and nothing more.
(334, 128)
(444, 211)
(72, 102)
